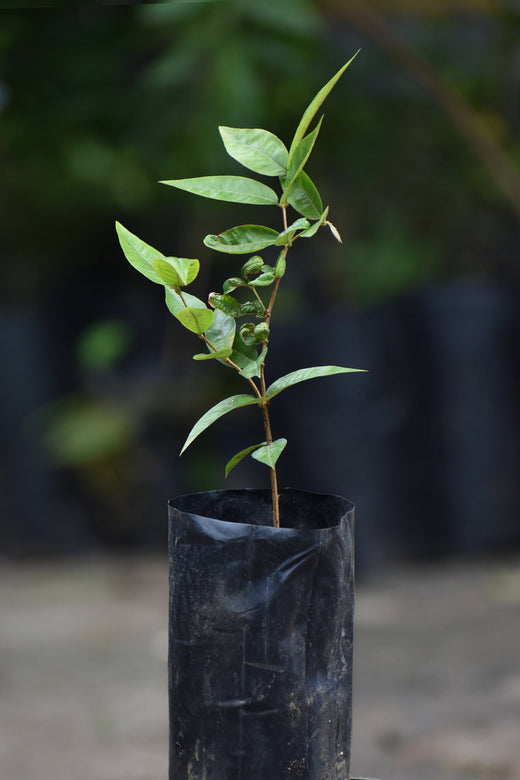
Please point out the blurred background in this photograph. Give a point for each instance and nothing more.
(419, 159)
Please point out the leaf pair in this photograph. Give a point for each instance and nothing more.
(264, 453)
(173, 273)
(176, 272)
(238, 401)
(263, 152)
(256, 149)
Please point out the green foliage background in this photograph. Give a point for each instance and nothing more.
(98, 102)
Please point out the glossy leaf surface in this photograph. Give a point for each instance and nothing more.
(221, 333)
(215, 413)
(270, 453)
(139, 254)
(242, 239)
(299, 157)
(225, 303)
(234, 189)
(256, 149)
(305, 198)
(303, 374)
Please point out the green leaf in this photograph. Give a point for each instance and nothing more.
(232, 284)
(247, 334)
(306, 373)
(280, 266)
(215, 413)
(304, 197)
(270, 453)
(221, 354)
(252, 307)
(240, 456)
(311, 231)
(286, 236)
(244, 355)
(264, 280)
(261, 331)
(234, 189)
(177, 305)
(225, 303)
(298, 159)
(167, 273)
(242, 239)
(315, 227)
(251, 267)
(190, 268)
(253, 367)
(221, 333)
(196, 320)
(142, 256)
(315, 104)
(176, 271)
(256, 149)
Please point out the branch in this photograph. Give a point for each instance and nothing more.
(468, 122)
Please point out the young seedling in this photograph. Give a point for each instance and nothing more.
(235, 326)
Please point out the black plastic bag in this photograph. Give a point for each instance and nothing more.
(260, 656)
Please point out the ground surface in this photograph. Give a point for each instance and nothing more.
(83, 672)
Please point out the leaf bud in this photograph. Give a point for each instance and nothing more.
(247, 334)
(225, 303)
(252, 307)
(261, 332)
(251, 267)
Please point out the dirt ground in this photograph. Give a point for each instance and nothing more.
(83, 671)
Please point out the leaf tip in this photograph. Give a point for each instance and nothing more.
(334, 231)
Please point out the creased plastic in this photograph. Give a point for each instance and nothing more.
(260, 642)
